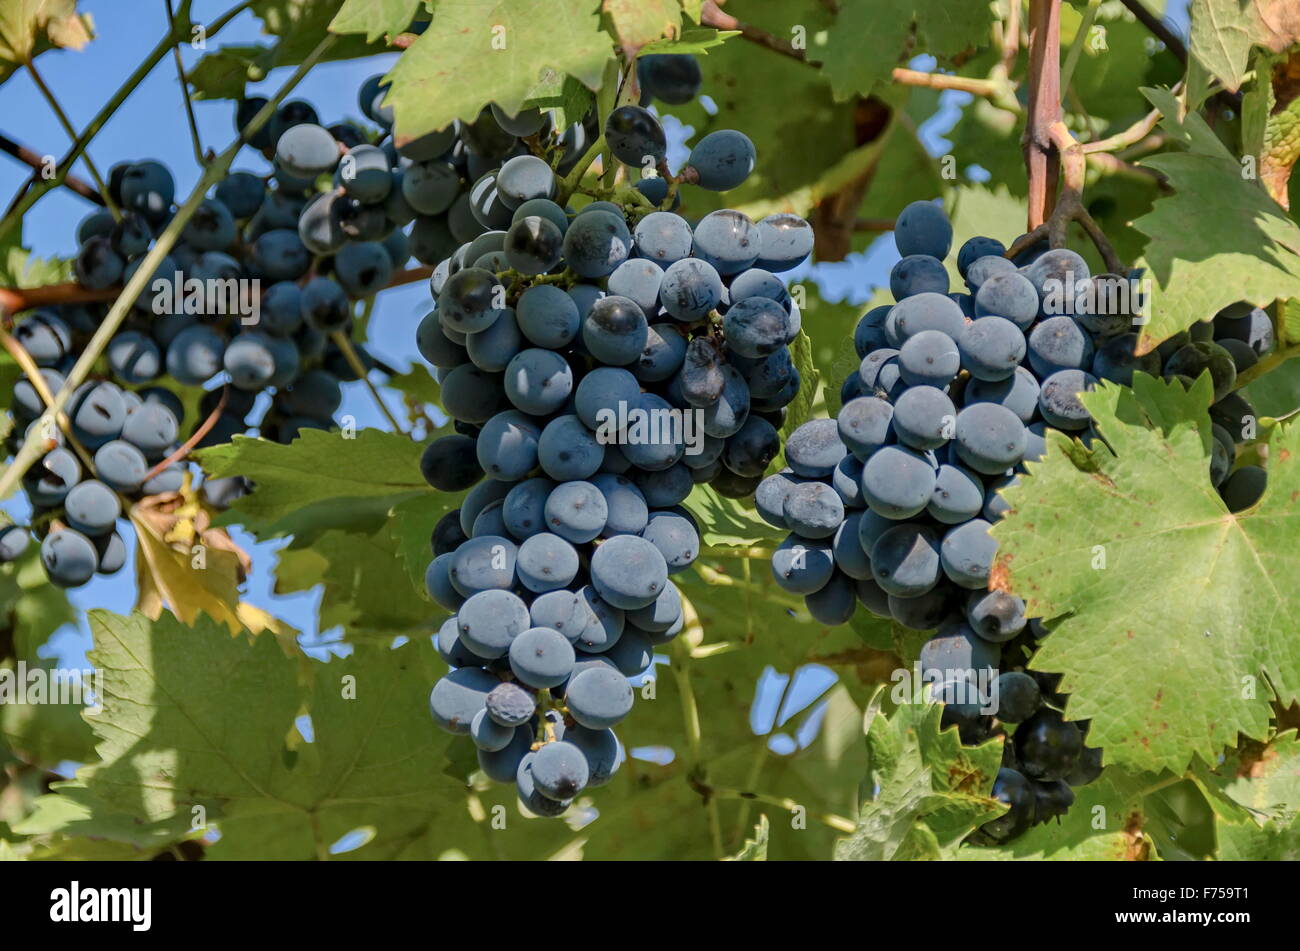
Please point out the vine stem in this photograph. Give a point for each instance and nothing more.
(836, 822)
(64, 121)
(698, 771)
(195, 140)
(569, 184)
(36, 186)
(31, 447)
(1076, 46)
(350, 355)
(1042, 162)
(37, 163)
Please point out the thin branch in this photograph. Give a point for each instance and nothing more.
(354, 361)
(1076, 46)
(38, 164)
(1133, 134)
(1010, 37)
(1158, 28)
(712, 15)
(1113, 165)
(64, 121)
(987, 88)
(188, 446)
(31, 448)
(195, 140)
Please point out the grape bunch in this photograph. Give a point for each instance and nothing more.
(246, 303)
(890, 504)
(598, 364)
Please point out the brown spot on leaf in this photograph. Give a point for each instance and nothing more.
(1000, 574)
(1138, 848)
(1159, 696)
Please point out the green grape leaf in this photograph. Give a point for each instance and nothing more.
(1266, 789)
(374, 19)
(417, 384)
(862, 50)
(473, 54)
(755, 849)
(320, 481)
(1153, 652)
(869, 40)
(224, 73)
(1217, 240)
(567, 98)
(70, 813)
(30, 27)
(638, 22)
(800, 409)
(20, 268)
(690, 40)
(299, 26)
(364, 591)
(1222, 34)
(728, 522)
(829, 326)
(1189, 128)
(411, 528)
(193, 717)
(926, 790)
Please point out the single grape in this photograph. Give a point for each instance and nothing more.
(967, 553)
(541, 657)
(989, 438)
(596, 243)
(722, 160)
(1059, 402)
(898, 482)
(598, 698)
(69, 558)
(728, 240)
(663, 237)
(918, 274)
(923, 228)
(976, 248)
(803, 565)
(615, 331)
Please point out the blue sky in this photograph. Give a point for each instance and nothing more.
(152, 125)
